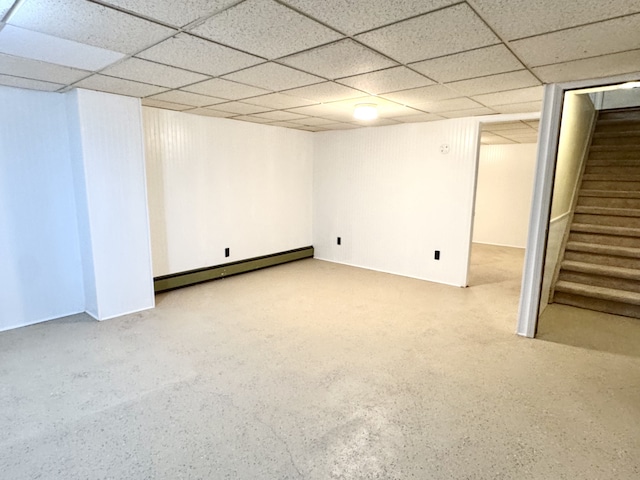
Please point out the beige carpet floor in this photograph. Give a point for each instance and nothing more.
(314, 370)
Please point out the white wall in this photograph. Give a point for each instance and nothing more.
(108, 159)
(216, 183)
(40, 266)
(394, 198)
(503, 196)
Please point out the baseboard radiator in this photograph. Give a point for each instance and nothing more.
(192, 277)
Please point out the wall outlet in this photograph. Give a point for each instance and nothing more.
(226, 252)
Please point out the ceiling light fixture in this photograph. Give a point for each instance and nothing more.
(366, 111)
(630, 85)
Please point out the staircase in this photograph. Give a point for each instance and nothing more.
(601, 265)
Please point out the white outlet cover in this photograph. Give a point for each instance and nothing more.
(444, 148)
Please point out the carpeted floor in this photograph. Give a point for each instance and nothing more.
(317, 371)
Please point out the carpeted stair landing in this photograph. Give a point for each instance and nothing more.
(601, 265)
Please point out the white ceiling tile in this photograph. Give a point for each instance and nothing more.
(198, 55)
(229, 90)
(279, 100)
(491, 139)
(443, 32)
(581, 42)
(449, 105)
(535, 124)
(340, 126)
(495, 83)
(313, 121)
(389, 80)
(151, 102)
(118, 86)
(431, 93)
(210, 112)
(531, 94)
(522, 131)
(325, 92)
(524, 107)
(89, 23)
(280, 115)
(355, 16)
(524, 18)
(28, 83)
(187, 98)
(420, 117)
(48, 72)
(240, 108)
(338, 60)
(273, 76)
(252, 119)
(378, 122)
(39, 46)
(474, 63)
(280, 30)
(328, 111)
(604, 66)
(504, 126)
(310, 129)
(284, 124)
(386, 108)
(167, 11)
(155, 73)
(471, 112)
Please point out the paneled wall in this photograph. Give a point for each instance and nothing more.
(40, 266)
(395, 195)
(216, 183)
(503, 196)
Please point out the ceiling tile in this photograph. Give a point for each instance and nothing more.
(279, 100)
(535, 124)
(273, 76)
(192, 53)
(495, 83)
(325, 92)
(5, 5)
(225, 89)
(284, 124)
(431, 93)
(530, 94)
(187, 98)
(474, 63)
(118, 86)
(29, 84)
(313, 121)
(340, 126)
(604, 66)
(338, 60)
(355, 16)
(39, 46)
(581, 42)
(378, 122)
(150, 102)
(89, 23)
(280, 115)
(386, 108)
(280, 30)
(491, 139)
(506, 126)
(210, 112)
(472, 112)
(524, 107)
(252, 119)
(325, 111)
(154, 73)
(310, 129)
(48, 72)
(389, 80)
(524, 18)
(447, 105)
(420, 117)
(443, 32)
(240, 108)
(167, 11)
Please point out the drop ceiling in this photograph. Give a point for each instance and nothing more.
(305, 64)
(504, 133)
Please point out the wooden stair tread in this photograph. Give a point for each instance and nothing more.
(616, 212)
(618, 133)
(611, 177)
(615, 250)
(605, 229)
(603, 270)
(610, 193)
(603, 293)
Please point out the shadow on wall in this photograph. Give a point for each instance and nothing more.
(590, 330)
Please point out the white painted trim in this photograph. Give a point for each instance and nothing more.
(36, 322)
(540, 210)
(559, 217)
(125, 313)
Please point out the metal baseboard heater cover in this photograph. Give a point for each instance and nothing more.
(192, 277)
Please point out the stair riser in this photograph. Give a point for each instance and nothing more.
(615, 162)
(621, 114)
(597, 153)
(617, 140)
(610, 260)
(600, 281)
(609, 202)
(614, 308)
(615, 127)
(633, 222)
(612, 170)
(604, 239)
(613, 186)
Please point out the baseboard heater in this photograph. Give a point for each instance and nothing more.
(191, 277)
